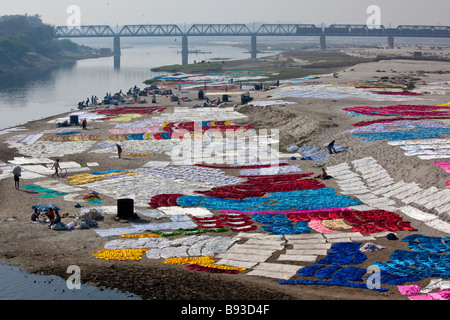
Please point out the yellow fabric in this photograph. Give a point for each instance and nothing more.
(120, 254)
(188, 260)
(147, 235)
(335, 224)
(83, 178)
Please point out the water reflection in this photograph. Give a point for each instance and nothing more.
(18, 285)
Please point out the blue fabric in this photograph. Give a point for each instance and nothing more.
(344, 253)
(338, 276)
(280, 224)
(290, 200)
(416, 133)
(106, 172)
(45, 207)
(420, 243)
(67, 133)
(136, 136)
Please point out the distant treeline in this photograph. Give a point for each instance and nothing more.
(23, 34)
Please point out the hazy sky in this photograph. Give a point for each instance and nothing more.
(112, 12)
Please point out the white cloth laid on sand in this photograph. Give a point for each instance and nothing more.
(381, 190)
(178, 222)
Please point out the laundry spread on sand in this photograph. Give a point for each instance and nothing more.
(446, 166)
(335, 91)
(272, 220)
(47, 193)
(368, 181)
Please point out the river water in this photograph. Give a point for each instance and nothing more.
(37, 95)
(16, 284)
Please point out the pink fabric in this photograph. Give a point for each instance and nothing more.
(286, 211)
(439, 295)
(409, 290)
(444, 165)
(319, 227)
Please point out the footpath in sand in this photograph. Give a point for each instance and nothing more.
(265, 228)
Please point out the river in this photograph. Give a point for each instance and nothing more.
(19, 285)
(37, 95)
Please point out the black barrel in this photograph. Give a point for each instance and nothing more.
(74, 120)
(125, 208)
(225, 98)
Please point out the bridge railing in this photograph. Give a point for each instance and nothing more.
(288, 29)
(84, 31)
(219, 30)
(244, 30)
(150, 30)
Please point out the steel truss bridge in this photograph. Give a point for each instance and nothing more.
(215, 30)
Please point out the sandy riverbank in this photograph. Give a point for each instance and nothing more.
(308, 121)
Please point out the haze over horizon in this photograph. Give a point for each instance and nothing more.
(113, 12)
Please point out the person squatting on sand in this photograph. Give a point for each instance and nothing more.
(54, 217)
(331, 148)
(324, 175)
(35, 215)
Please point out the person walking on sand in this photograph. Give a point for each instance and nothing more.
(56, 167)
(17, 172)
(119, 150)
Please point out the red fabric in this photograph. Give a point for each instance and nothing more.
(131, 109)
(258, 166)
(226, 220)
(209, 269)
(164, 200)
(402, 110)
(366, 123)
(397, 93)
(258, 186)
(371, 221)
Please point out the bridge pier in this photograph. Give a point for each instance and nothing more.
(116, 52)
(391, 42)
(323, 44)
(184, 50)
(254, 49)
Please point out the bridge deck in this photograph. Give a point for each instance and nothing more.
(162, 30)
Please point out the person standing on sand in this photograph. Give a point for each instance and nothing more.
(17, 172)
(56, 167)
(119, 150)
(84, 124)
